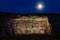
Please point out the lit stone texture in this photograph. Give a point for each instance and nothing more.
(31, 25)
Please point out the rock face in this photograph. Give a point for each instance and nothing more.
(30, 25)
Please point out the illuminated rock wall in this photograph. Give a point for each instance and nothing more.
(30, 25)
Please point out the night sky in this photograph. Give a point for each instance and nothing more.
(29, 6)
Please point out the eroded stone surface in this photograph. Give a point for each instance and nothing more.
(31, 25)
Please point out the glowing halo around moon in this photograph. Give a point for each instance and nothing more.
(40, 6)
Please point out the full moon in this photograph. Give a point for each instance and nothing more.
(40, 6)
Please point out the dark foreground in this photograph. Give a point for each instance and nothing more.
(54, 19)
(31, 37)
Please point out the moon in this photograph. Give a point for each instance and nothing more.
(40, 6)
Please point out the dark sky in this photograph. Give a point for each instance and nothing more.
(29, 6)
